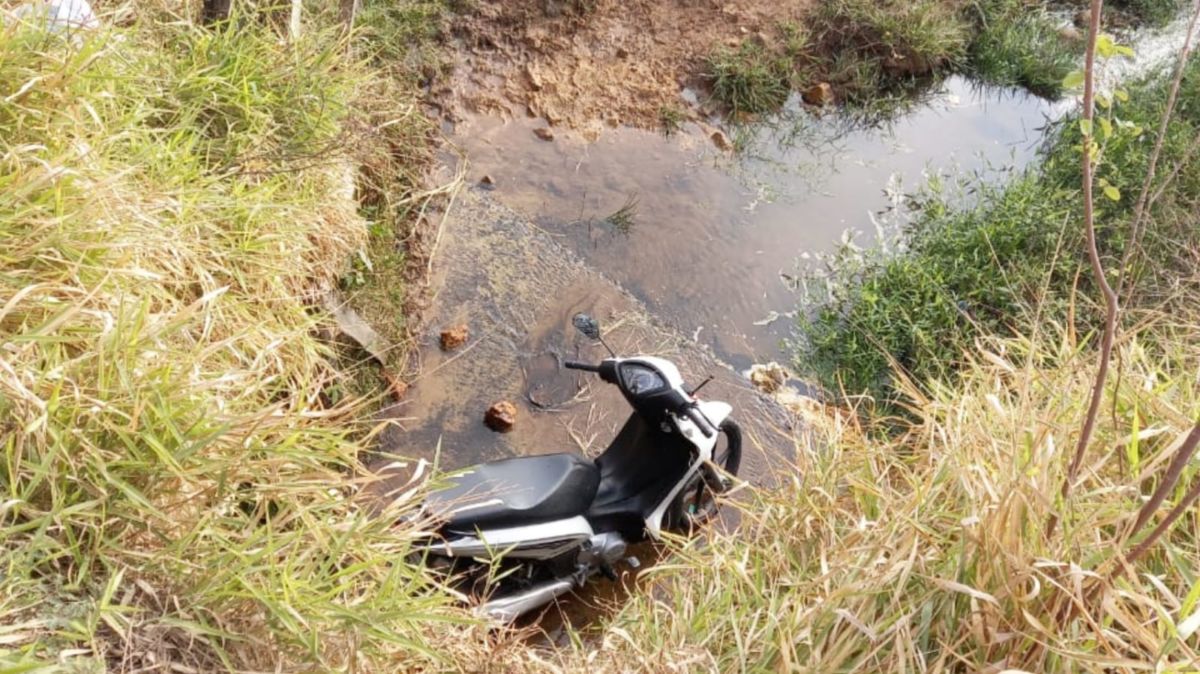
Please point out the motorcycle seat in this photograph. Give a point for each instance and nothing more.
(516, 492)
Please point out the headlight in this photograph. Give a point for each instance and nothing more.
(639, 379)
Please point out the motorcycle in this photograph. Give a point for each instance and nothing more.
(525, 531)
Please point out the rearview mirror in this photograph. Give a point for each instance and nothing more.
(587, 326)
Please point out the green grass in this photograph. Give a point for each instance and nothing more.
(176, 486)
(1151, 12)
(880, 55)
(751, 79)
(671, 119)
(624, 219)
(1018, 44)
(1006, 264)
(885, 45)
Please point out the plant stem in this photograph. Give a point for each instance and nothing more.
(1186, 502)
(1110, 297)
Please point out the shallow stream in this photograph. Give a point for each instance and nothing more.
(711, 242)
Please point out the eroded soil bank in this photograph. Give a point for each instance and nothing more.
(588, 64)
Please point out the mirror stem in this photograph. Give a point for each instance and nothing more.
(610, 351)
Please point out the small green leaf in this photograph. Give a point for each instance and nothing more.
(1112, 193)
(1085, 127)
(1127, 52)
(1105, 46)
(1104, 101)
(1106, 127)
(1073, 80)
(1121, 95)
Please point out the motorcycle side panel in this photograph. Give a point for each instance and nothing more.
(535, 541)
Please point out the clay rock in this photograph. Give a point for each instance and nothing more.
(768, 378)
(501, 417)
(819, 94)
(535, 80)
(1069, 32)
(452, 338)
(544, 133)
(910, 64)
(721, 141)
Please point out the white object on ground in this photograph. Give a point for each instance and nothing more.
(59, 15)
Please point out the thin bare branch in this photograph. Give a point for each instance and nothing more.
(1174, 470)
(1181, 507)
(1110, 297)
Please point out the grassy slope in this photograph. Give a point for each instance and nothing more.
(875, 54)
(1006, 263)
(176, 484)
(924, 549)
(926, 553)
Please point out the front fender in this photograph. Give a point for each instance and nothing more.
(715, 410)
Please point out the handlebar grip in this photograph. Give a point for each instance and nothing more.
(576, 365)
(698, 419)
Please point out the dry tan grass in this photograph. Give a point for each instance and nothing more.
(926, 553)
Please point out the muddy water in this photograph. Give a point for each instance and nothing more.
(713, 241)
(517, 288)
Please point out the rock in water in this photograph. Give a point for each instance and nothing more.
(820, 94)
(452, 338)
(544, 133)
(501, 417)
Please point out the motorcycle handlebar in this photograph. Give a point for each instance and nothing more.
(576, 365)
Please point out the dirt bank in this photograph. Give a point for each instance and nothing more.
(587, 63)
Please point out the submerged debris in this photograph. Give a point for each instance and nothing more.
(819, 94)
(452, 338)
(501, 417)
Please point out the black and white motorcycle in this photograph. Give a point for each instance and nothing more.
(526, 530)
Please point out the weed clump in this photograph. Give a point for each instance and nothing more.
(1019, 45)
(750, 79)
(926, 551)
(881, 45)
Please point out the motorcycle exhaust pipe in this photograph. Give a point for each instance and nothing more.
(507, 608)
